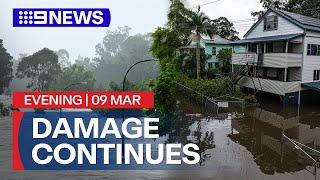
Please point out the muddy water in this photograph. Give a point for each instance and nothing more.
(232, 145)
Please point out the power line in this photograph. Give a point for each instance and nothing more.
(243, 20)
(204, 4)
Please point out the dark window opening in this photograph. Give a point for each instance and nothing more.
(313, 50)
(214, 51)
(269, 48)
(270, 23)
(316, 75)
(210, 65)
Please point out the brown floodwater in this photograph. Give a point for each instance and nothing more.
(234, 144)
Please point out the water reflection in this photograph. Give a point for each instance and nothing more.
(259, 132)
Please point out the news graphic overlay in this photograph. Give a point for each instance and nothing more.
(117, 138)
(61, 17)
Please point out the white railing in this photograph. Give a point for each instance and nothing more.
(244, 58)
(282, 60)
(271, 86)
(277, 60)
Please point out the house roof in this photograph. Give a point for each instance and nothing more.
(304, 22)
(312, 85)
(216, 39)
(268, 38)
(192, 45)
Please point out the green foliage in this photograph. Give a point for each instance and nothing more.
(224, 56)
(188, 66)
(71, 75)
(165, 88)
(41, 67)
(63, 57)
(5, 68)
(117, 52)
(178, 20)
(211, 73)
(304, 7)
(225, 29)
(200, 24)
(209, 87)
(165, 43)
(130, 86)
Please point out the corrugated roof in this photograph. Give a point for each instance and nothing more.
(305, 22)
(312, 85)
(268, 38)
(216, 39)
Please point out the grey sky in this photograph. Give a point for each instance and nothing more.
(143, 16)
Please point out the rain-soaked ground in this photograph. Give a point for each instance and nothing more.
(232, 146)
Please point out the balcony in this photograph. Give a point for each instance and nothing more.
(244, 58)
(276, 60)
(271, 86)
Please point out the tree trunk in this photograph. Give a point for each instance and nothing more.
(198, 56)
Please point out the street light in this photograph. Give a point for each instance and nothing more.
(125, 76)
(123, 89)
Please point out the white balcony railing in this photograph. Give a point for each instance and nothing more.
(244, 58)
(271, 86)
(276, 60)
(282, 60)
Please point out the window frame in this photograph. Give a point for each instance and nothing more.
(270, 23)
(214, 50)
(313, 52)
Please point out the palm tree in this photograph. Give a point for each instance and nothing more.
(200, 24)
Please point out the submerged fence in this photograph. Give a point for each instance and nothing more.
(311, 156)
(211, 103)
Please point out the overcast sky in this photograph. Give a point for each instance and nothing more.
(143, 16)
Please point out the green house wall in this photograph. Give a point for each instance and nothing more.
(213, 58)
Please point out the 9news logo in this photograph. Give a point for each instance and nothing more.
(35, 17)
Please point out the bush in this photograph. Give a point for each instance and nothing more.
(4, 110)
(209, 87)
(165, 88)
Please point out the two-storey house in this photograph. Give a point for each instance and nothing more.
(282, 54)
(214, 45)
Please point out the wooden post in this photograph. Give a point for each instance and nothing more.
(287, 46)
(285, 74)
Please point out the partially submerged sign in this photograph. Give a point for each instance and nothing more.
(223, 104)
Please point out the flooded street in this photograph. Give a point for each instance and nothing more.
(232, 146)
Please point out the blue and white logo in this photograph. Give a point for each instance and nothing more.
(35, 17)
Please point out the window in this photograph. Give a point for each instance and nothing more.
(316, 75)
(214, 51)
(313, 50)
(210, 65)
(270, 23)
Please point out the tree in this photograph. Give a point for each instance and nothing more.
(5, 68)
(305, 7)
(178, 17)
(74, 74)
(224, 57)
(266, 4)
(41, 67)
(63, 57)
(118, 51)
(200, 24)
(225, 29)
(111, 42)
(165, 45)
(86, 63)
